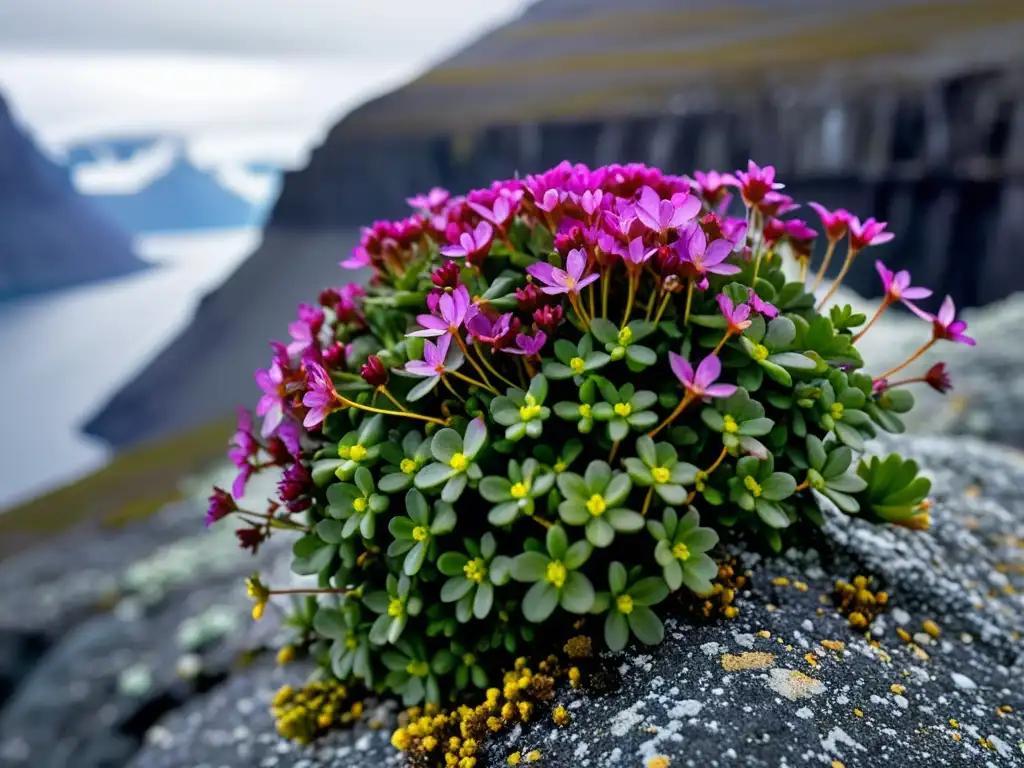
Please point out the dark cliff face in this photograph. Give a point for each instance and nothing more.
(50, 236)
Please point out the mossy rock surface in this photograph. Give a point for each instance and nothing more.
(813, 691)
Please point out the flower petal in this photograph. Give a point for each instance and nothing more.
(681, 368)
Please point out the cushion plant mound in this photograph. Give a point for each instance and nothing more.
(551, 401)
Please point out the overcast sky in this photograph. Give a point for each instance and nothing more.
(239, 77)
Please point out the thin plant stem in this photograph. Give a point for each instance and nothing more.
(689, 302)
(803, 270)
(882, 307)
(448, 385)
(605, 283)
(721, 457)
(906, 362)
(407, 414)
(650, 305)
(647, 501)
(824, 265)
(577, 306)
(474, 382)
(687, 399)
(717, 349)
(664, 305)
(308, 591)
(541, 521)
(850, 254)
(803, 486)
(590, 298)
(487, 364)
(384, 391)
(613, 451)
(476, 366)
(633, 280)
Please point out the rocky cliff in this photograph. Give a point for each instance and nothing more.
(50, 236)
(908, 111)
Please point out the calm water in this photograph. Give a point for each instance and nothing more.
(65, 353)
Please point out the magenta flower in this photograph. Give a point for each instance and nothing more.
(663, 215)
(321, 398)
(289, 434)
(483, 329)
(437, 360)
(451, 314)
(221, 505)
(497, 216)
(737, 317)
(945, 326)
(756, 183)
(569, 280)
(871, 232)
(698, 258)
(528, 345)
(637, 253)
(295, 488)
(700, 383)
(472, 246)
(712, 186)
(759, 306)
(432, 201)
(897, 286)
(937, 377)
(836, 223)
(776, 204)
(271, 406)
(304, 330)
(243, 451)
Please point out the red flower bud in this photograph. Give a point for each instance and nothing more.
(548, 317)
(938, 378)
(446, 276)
(373, 372)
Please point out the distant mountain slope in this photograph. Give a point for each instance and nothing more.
(149, 184)
(50, 236)
(909, 110)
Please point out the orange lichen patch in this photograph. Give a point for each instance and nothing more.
(898, 689)
(972, 492)
(838, 764)
(957, 737)
(931, 628)
(811, 659)
(985, 743)
(834, 645)
(920, 652)
(721, 601)
(659, 761)
(780, 581)
(793, 684)
(799, 586)
(747, 660)
(904, 635)
(579, 647)
(954, 723)
(1004, 710)
(764, 633)
(770, 607)
(858, 712)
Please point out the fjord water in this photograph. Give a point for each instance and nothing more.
(64, 353)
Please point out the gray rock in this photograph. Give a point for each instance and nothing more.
(721, 693)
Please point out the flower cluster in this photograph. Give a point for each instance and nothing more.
(553, 398)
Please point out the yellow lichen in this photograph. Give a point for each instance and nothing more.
(659, 761)
(747, 660)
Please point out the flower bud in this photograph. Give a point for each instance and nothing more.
(373, 372)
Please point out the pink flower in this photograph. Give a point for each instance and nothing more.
(451, 314)
(483, 329)
(497, 216)
(321, 398)
(527, 345)
(712, 186)
(663, 215)
(434, 200)
(304, 330)
(945, 326)
(637, 253)
(698, 258)
(289, 435)
(700, 383)
(221, 505)
(271, 406)
(836, 223)
(243, 451)
(472, 247)
(871, 232)
(373, 372)
(776, 204)
(897, 286)
(800, 237)
(437, 359)
(569, 280)
(759, 306)
(756, 183)
(737, 317)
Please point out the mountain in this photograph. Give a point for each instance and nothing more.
(149, 184)
(919, 121)
(50, 236)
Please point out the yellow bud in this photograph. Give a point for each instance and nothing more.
(625, 604)
(420, 533)
(661, 474)
(622, 409)
(475, 570)
(752, 485)
(257, 611)
(596, 505)
(286, 655)
(418, 668)
(408, 466)
(760, 353)
(519, 491)
(458, 462)
(681, 552)
(729, 424)
(358, 453)
(556, 574)
(395, 608)
(837, 411)
(577, 365)
(360, 504)
(625, 336)
(585, 411)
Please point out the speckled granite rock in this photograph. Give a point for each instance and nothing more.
(788, 683)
